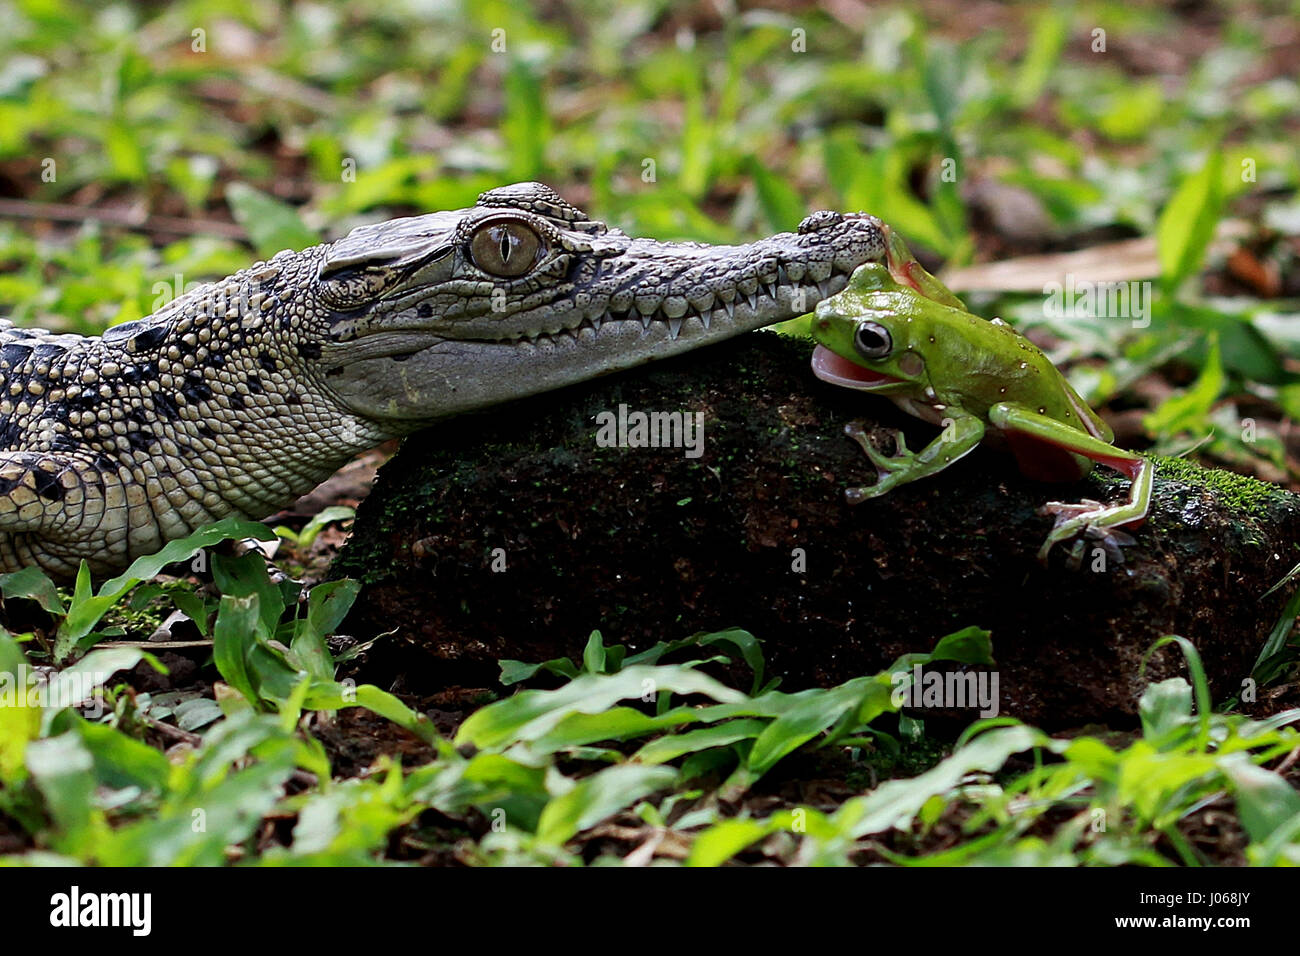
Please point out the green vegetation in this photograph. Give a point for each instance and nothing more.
(148, 147)
(661, 747)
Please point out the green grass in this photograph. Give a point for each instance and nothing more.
(661, 746)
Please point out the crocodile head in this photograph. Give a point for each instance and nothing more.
(436, 315)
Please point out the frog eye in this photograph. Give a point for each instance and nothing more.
(506, 248)
(872, 340)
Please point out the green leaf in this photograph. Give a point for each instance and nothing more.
(1266, 802)
(86, 610)
(120, 761)
(813, 714)
(233, 635)
(76, 684)
(526, 123)
(327, 605)
(272, 225)
(335, 696)
(593, 655)
(672, 746)
(596, 797)
(193, 606)
(895, 802)
(34, 584)
(970, 645)
(515, 672)
(530, 714)
(780, 203)
(1188, 411)
(1165, 706)
(125, 156)
(1187, 224)
(1200, 684)
(307, 536)
(721, 842)
(1042, 54)
(229, 814)
(245, 576)
(63, 770)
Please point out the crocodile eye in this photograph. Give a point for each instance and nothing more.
(505, 248)
(872, 340)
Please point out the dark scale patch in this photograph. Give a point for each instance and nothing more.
(7, 485)
(336, 370)
(309, 350)
(148, 339)
(11, 434)
(165, 405)
(14, 355)
(104, 463)
(48, 486)
(236, 401)
(293, 398)
(424, 310)
(255, 385)
(204, 429)
(49, 352)
(217, 360)
(139, 440)
(196, 389)
(268, 364)
(64, 442)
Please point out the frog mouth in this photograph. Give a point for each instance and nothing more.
(837, 370)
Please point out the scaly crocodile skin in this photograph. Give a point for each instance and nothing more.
(243, 394)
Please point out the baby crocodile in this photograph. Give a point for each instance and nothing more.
(239, 396)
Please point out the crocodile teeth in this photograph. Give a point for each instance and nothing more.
(674, 326)
(769, 289)
(706, 318)
(823, 288)
(731, 309)
(752, 299)
(646, 322)
(596, 320)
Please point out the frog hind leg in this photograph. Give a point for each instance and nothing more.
(1087, 518)
(960, 436)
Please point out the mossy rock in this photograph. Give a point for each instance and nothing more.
(647, 544)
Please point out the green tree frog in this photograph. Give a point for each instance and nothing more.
(898, 332)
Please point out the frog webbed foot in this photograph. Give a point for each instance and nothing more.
(1085, 521)
(889, 468)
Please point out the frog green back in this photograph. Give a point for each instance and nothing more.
(1001, 365)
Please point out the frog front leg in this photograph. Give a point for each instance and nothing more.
(1089, 518)
(962, 433)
